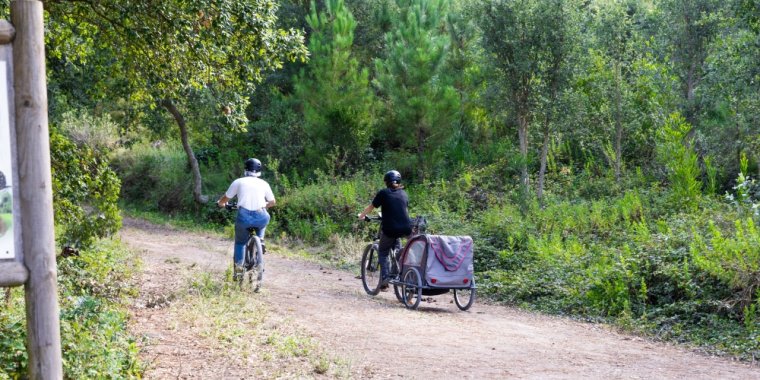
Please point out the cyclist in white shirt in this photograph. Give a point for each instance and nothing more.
(254, 198)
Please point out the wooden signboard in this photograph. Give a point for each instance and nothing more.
(12, 270)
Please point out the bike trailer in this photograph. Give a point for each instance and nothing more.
(443, 261)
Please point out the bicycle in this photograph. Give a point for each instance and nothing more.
(253, 260)
(370, 272)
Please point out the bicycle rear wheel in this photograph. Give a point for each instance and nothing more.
(254, 264)
(371, 270)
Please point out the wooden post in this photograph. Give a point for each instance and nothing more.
(12, 272)
(36, 195)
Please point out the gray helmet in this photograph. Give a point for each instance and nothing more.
(253, 165)
(392, 177)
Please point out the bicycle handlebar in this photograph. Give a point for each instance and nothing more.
(231, 206)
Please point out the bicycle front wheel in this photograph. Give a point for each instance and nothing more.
(371, 270)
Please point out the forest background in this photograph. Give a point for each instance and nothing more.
(603, 154)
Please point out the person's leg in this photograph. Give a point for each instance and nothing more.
(242, 222)
(261, 220)
(395, 267)
(241, 237)
(384, 248)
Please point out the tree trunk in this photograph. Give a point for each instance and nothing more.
(194, 167)
(542, 169)
(618, 125)
(522, 133)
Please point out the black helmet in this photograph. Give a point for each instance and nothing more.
(392, 177)
(253, 165)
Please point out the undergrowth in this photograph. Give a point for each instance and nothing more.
(94, 288)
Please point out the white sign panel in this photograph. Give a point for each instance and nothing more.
(7, 250)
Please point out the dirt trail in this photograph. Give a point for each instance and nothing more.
(379, 338)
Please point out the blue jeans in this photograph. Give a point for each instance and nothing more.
(245, 219)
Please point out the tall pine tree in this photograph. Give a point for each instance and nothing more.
(334, 91)
(420, 100)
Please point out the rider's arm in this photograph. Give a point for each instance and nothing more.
(366, 211)
(222, 201)
(270, 203)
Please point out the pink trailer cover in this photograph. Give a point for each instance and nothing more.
(449, 260)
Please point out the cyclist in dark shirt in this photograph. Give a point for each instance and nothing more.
(395, 224)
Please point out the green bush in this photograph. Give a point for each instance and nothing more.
(316, 211)
(681, 162)
(156, 177)
(733, 260)
(85, 192)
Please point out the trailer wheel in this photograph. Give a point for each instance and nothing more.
(464, 297)
(412, 288)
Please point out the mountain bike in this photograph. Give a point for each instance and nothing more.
(371, 275)
(253, 260)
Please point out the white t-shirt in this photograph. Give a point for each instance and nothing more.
(252, 193)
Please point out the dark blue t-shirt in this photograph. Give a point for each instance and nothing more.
(394, 204)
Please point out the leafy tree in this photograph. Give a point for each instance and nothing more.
(688, 27)
(526, 41)
(419, 99)
(617, 38)
(562, 37)
(333, 89)
(732, 89)
(164, 52)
